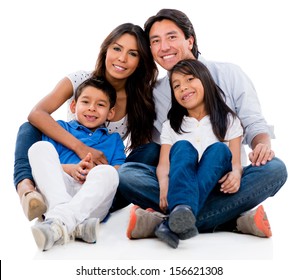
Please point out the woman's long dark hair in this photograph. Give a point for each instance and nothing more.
(214, 99)
(140, 106)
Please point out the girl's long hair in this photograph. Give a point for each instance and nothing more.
(214, 99)
(140, 107)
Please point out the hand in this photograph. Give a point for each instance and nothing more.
(81, 170)
(97, 156)
(163, 202)
(230, 183)
(261, 154)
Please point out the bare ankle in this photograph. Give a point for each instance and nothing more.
(24, 186)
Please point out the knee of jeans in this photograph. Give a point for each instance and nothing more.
(183, 146)
(125, 171)
(29, 130)
(221, 148)
(26, 126)
(279, 169)
(153, 147)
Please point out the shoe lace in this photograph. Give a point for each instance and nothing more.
(60, 231)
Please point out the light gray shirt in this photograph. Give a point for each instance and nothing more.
(240, 94)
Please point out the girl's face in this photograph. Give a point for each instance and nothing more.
(189, 92)
(92, 108)
(122, 58)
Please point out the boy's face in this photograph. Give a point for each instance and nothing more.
(168, 44)
(92, 108)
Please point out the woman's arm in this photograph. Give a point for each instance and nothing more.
(40, 117)
(162, 172)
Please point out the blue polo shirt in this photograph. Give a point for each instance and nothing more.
(110, 144)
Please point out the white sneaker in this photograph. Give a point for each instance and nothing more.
(87, 230)
(49, 233)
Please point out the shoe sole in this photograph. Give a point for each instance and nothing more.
(261, 221)
(36, 209)
(181, 221)
(33, 205)
(167, 239)
(39, 238)
(132, 221)
(189, 234)
(91, 236)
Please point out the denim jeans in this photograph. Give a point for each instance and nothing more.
(139, 185)
(26, 137)
(148, 154)
(190, 181)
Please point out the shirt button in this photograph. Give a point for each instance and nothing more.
(90, 134)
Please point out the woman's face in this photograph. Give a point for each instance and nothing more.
(122, 57)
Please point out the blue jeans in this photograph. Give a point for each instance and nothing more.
(190, 181)
(139, 185)
(27, 136)
(148, 154)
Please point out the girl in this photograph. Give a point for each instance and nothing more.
(200, 148)
(125, 60)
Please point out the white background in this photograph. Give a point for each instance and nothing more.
(42, 41)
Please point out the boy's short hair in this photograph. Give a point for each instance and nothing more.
(101, 84)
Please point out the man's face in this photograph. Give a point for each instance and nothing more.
(168, 44)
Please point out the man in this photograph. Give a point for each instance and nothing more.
(172, 38)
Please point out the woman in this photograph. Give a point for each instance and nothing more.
(125, 60)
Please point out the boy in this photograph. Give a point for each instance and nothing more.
(77, 193)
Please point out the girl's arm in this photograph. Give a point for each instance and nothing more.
(40, 117)
(162, 172)
(230, 183)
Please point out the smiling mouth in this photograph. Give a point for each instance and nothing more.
(187, 96)
(169, 56)
(91, 118)
(119, 68)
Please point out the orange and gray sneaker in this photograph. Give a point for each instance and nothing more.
(255, 222)
(142, 223)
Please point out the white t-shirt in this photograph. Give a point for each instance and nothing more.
(199, 133)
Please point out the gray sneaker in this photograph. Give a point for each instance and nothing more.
(87, 230)
(255, 222)
(142, 223)
(49, 233)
